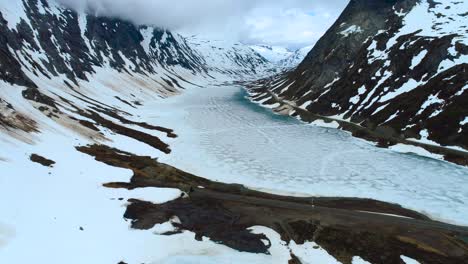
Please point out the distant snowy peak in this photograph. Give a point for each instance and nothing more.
(296, 58)
(281, 56)
(273, 54)
(229, 57)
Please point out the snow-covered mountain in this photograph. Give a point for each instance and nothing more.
(273, 54)
(282, 56)
(394, 68)
(86, 122)
(295, 58)
(53, 60)
(228, 57)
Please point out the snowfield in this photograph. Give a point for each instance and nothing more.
(222, 136)
(64, 214)
(272, 53)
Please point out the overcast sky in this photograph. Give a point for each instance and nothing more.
(290, 23)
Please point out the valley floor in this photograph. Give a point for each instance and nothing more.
(224, 137)
(64, 215)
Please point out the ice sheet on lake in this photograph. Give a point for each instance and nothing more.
(226, 138)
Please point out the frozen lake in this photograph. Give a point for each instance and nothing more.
(223, 136)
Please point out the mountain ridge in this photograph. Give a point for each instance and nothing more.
(370, 69)
(54, 56)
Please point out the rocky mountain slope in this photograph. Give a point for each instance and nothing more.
(396, 68)
(54, 60)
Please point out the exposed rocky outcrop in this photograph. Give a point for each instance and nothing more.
(41, 160)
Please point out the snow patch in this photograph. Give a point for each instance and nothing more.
(322, 123)
(403, 148)
(351, 30)
(407, 87)
(408, 260)
(417, 59)
(464, 122)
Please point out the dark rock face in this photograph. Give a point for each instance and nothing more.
(41, 160)
(11, 119)
(10, 68)
(53, 40)
(331, 56)
(54, 57)
(72, 45)
(384, 68)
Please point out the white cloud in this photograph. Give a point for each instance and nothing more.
(280, 22)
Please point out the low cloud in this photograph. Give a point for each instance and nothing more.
(280, 22)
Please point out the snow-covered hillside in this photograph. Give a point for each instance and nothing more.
(228, 57)
(272, 53)
(397, 68)
(70, 79)
(55, 60)
(295, 58)
(282, 57)
(88, 115)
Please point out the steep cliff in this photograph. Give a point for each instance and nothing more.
(395, 67)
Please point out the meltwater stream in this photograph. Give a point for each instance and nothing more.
(225, 137)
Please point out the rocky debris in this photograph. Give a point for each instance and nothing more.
(124, 101)
(294, 260)
(376, 231)
(35, 95)
(96, 113)
(151, 140)
(89, 125)
(41, 160)
(114, 114)
(12, 119)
